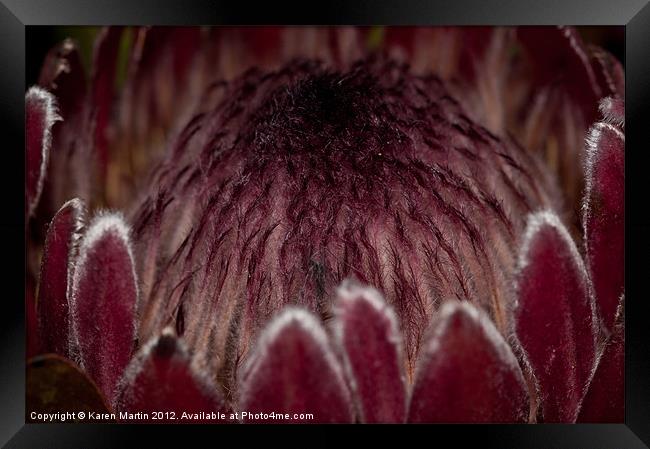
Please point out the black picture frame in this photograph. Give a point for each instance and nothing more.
(15, 15)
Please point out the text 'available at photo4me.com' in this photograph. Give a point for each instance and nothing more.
(83, 416)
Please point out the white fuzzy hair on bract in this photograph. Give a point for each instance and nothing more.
(291, 316)
(351, 292)
(51, 116)
(103, 223)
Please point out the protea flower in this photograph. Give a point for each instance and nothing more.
(299, 225)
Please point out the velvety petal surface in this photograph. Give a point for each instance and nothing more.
(555, 316)
(293, 370)
(57, 267)
(160, 378)
(467, 372)
(604, 210)
(56, 385)
(605, 398)
(368, 333)
(104, 296)
(40, 116)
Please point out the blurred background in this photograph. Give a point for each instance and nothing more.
(40, 39)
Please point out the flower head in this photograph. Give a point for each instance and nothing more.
(339, 234)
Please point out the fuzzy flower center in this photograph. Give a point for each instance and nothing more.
(287, 183)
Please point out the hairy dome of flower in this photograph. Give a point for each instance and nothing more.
(285, 183)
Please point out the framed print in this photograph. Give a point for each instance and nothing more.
(356, 215)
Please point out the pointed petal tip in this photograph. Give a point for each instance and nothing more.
(290, 317)
(57, 267)
(41, 113)
(465, 313)
(604, 141)
(467, 372)
(293, 316)
(293, 369)
(604, 213)
(538, 223)
(103, 302)
(367, 331)
(351, 294)
(161, 377)
(106, 222)
(555, 315)
(101, 226)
